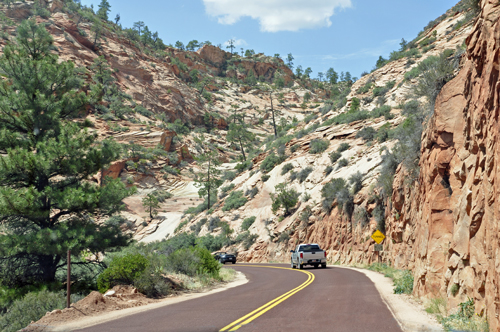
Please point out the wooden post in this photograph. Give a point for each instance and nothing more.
(68, 281)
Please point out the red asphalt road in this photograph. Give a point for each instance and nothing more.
(339, 300)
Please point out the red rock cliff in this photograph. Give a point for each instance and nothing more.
(447, 227)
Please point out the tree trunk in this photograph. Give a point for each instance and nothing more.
(272, 111)
(48, 265)
(208, 189)
(243, 151)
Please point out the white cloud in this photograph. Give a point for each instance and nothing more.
(277, 15)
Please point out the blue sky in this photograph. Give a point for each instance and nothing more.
(348, 35)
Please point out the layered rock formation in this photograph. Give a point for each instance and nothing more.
(447, 226)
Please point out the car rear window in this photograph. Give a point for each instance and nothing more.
(309, 247)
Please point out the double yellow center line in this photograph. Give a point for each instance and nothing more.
(268, 306)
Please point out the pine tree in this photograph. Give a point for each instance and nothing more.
(238, 133)
(208, 180)
(46, 160)
(104, 8)
(151, 203)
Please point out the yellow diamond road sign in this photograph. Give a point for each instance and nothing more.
(378, 236)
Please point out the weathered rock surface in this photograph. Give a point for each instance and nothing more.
(447, 227)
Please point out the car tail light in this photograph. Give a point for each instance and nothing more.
(325, 253)
(301, 255)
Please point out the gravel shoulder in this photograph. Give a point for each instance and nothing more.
(239, 280)
(409, 313)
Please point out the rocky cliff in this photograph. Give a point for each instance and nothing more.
(446, 228)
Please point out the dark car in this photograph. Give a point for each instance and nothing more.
(224, 257)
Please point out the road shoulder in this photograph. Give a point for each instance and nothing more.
(109, 316)
(410, 315)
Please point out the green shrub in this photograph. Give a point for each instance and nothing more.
(161, 195)
(265, 177)
(328, 170)
(318, 146)
(243, 166)
(384, 111)
(411, 107)
(270, 162)
(334, 156)
(247, 223)
(343, 163)
(284, 197)
(294, 148)
(234, 201)
(286, 168)
(351, 116)
(151, 282)
(403, 283)
(193, 261)
(32, 307)
(384, 133)
(367, 134)
(435, 75)
(144, 111)
(247, 239)
(365, 88)
(284, 237)
(229, 175)
(464, 319)
(356, 181)
(355, 103)
(336, 189)
(122, 270)
(225, 189)
(343, 147)
(303, 174)
(251, 192)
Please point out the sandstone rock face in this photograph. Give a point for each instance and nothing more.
(447, 229)
(166, 139)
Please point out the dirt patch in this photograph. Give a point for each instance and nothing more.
(120, 297)
(97, 308)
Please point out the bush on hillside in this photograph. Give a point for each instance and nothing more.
(367, 134)
(285, 197)
(122, 270)
(343, 147)
(318, 146)
(247, 223)
(342, 163)
(251, 192)
(286, 168)
(32, 307)
(235, 200)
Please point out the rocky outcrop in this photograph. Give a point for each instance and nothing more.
(447, 227)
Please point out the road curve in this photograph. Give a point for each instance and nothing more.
(336, 299)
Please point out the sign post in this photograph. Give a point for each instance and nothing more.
(378, 237)
(68, 282)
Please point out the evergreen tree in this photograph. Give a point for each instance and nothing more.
(238, 133)
(179, 45)
(193, 45)
(231, 44)
(208, 180)
(105, 88)
(285, 197)
(289, 61)
(332, 76)
(104, 8)
(151, 203)
(138, 26)
(46, 160)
